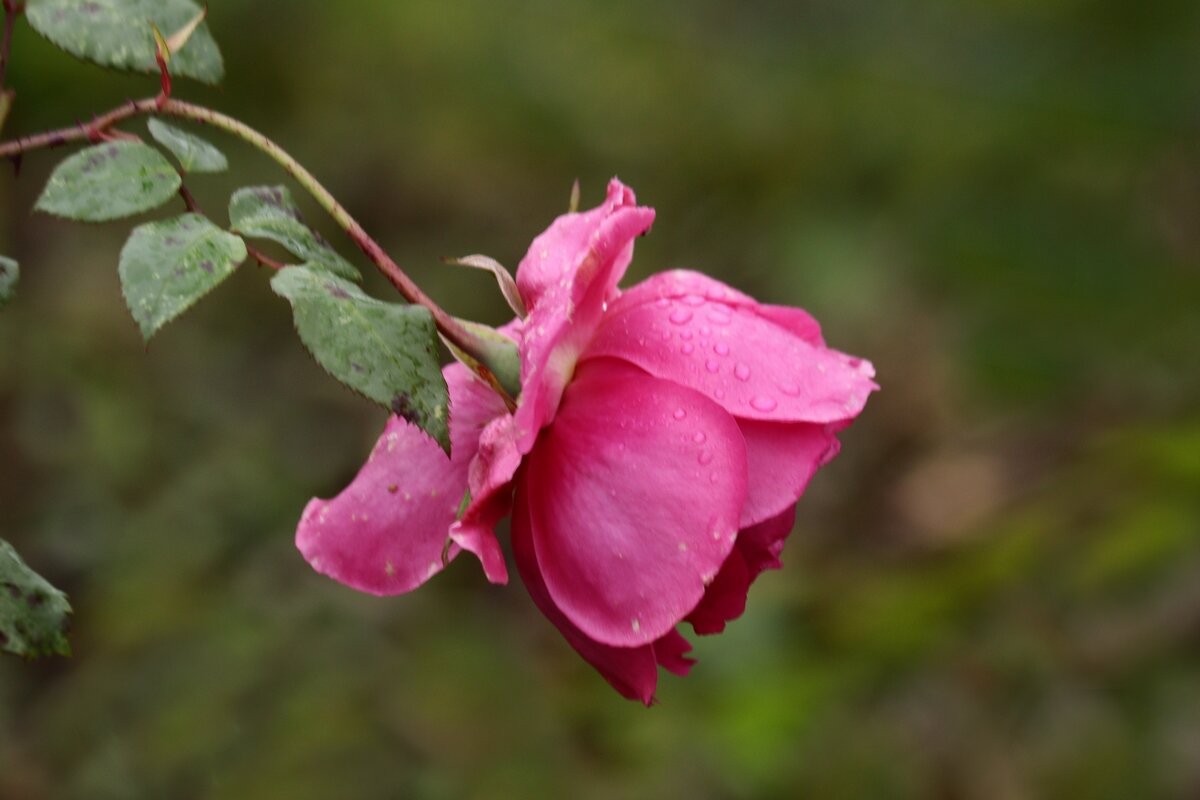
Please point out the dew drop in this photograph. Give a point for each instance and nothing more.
(705, 458)
(790, 390)
(760, 403)
(680, 316)
(712, 366)
(699, 438)
(742, 372)
(705, 330)
(719, 394)
(721, 349)
(718, 317)
(685, 335)
(687, 349)
(679, 413)
(693, 300)
(662, 302)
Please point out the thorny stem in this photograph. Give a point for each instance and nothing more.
(94, 131)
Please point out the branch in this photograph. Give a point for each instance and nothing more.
(94, 131)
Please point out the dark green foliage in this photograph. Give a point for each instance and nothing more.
(33, 614)
(194, 153)
(109, 181)
(118, 34)
(167, 266)
(384, 351)
(268, 212)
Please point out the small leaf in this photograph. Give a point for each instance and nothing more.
(167, 266)
(109, 181)
(385, 352)
(10, 273)
(508, 286)
(117, 34)
(194, 154)
(267, 212)
(33, 614)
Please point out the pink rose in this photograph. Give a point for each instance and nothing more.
(652, 467)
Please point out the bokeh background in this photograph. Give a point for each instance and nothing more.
(994, 592)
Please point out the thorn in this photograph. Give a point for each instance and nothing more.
(16, 163)
(180, 37)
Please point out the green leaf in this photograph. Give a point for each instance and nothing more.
(267, 212)
(167, 266)
(10, 273)
(194, 154)
(110, 181)
(33, 614)
(386, 352)
(117, 34)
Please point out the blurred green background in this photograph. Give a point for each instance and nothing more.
(993, 593)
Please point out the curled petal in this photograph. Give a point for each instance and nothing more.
(671, 652)
(637, 489)
(752, 366)
(385, 533)
(758, 548)
(560, 253)
(725, 599)
(761, 544)
(782, 457)
(489, 478)
(570, 272)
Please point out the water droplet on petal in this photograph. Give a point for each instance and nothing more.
(790, 390)
(679, 413)
(712, 366)
(662, 302)
(688, 348)
(699, 438)
(705, 330)
(680, 316)
(721, 349)
(760, 403)
(693, 300)
(685, 335)
(742, 372)
(705, 458)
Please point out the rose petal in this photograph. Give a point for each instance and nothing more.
(781, 457)
(631, 671)
(725, 599)
(557, 254)
(671, 652)
(638, 487)
(758, 548)
(761, 544)
(385, 533)
(753, 367)
(489, 478)
(569, 273)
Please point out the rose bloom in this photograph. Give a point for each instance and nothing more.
(652, 466)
